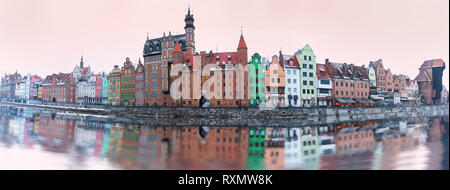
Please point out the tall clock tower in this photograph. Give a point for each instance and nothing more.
(190, 35)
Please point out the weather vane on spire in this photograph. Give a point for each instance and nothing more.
(241, 29)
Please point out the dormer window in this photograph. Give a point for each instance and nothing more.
(291, 62)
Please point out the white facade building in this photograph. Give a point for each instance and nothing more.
(85, 91)
(292, 74)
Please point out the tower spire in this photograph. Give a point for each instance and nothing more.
(81, 62)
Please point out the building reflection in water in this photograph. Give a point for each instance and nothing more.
(406, 144)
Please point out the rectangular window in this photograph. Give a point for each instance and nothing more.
(154, 94)
(310, 74)
(305, 82)
(304, 74)
(304, 66)
(325, 82)
(310, 66)
(311, 83)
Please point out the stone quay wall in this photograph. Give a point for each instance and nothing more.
(279, 117)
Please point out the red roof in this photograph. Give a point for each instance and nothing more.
(323, 71)
(242, 44)
(177, 47)
(294, 62)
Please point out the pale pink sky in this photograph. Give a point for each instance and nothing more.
(48, 36)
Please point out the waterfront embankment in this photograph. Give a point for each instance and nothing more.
(242, 116)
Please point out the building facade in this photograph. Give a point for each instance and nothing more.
(324, 85)
(292, 74)
(105, 89)
(141, 93)
(59, 88)
(350, 84)
(429, 80)
(308, 77)
(114, 86)
(275, 84)
(128, 83)
(257, 82)
(86, 91)
(8, 85)
(158, 59)
(384, 79)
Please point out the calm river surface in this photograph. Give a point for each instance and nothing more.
(31, 139)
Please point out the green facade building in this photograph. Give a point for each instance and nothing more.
(308, 77)
(256, 82)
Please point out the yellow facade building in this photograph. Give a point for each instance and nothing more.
(114, 86)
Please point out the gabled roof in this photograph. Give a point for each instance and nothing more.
(290, 58)
(422, 77)
(322, 69)
(242, 44)
(177, 47)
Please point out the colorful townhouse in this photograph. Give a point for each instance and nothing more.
(34, 79)
(141, 93)
(275, 84)
(384, 79)
(105, 89)
(292, 74)
(257, 82)
(324, 86)
(114, 86)
(99, 88)
(308, 78)
(128, 83)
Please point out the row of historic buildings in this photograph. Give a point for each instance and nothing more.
(175, 74)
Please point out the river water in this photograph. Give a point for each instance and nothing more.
(32, 139)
